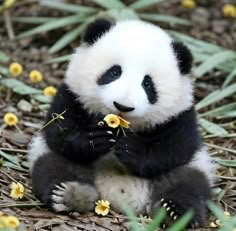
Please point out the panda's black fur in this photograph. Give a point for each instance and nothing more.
(159, 155)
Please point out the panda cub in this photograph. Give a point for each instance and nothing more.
(136, 70)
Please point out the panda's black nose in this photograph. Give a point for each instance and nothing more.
(123, 108)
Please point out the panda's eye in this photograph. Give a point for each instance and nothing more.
(112, 74)
(149, 89)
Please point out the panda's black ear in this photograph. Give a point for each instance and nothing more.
(95, 30)
(184, 57)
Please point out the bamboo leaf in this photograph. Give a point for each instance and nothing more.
(165, 18)
(182, 222)
(111, 4)
(220, 110)
(42, 98)
(60, 59)
(11, 158)
(216, 96)
(229, 77)
(140, 4)
(213, 62)
(76, 8)
(4, 71)
(52, 25)
(19, 87)
(159, 217)
(212, 127)
(122, 14)
(33, 20)
(3, 57)
(67, 38)
(227, 163)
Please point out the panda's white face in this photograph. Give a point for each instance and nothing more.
(132, 71)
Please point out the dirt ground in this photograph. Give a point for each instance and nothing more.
(207, 24)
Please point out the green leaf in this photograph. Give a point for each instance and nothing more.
(3, 57)
(19, 87)
(42, 98)
(33, 20)
(52, 25)
(159, 217)
(8, 164)
(227, 163)
(122, 14)
(212, 127)
(4, 71)
(182, 222)
(213, 62)
(11, 158)
(76, 8)
(165, 18)
(220, 110)
(216, 96)
(229, 77)
(140, 4)
(67, 38)
(110, 4)
(134, 224)
(60, 59)
(7, 229)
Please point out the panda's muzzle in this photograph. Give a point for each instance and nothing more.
(123, 108)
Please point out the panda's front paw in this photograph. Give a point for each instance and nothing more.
(130, 151)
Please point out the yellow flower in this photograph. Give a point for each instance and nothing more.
(50, 91)
(188, 4)
(8, 3)
(229, 10)
(9, 222)
(10, 119)
(124, 123)
(15, 69)
(35, 76)
(102, 207)
(114, 121)
(17, 190)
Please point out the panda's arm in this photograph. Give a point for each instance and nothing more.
(174, 146)
(75, 137)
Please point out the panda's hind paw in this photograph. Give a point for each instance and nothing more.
(73, 196)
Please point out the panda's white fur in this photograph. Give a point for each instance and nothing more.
(137, 59)
(145, 49)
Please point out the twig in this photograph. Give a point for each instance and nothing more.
(226, 177)
(221, 148)
(14, 150)
(7, 205)
(8, 25)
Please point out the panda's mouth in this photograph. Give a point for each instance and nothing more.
(123, 108)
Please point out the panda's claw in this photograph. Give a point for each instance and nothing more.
(175, 217)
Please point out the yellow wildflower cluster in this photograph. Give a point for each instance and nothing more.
(8, 221)
(114, 121)
(229, 10)
(102, 207)
(188, 4)
(10, 119)
(17, 190)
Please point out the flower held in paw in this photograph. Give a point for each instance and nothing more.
(102, 207)
(17, 190)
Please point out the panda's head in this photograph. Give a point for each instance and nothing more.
(133, 69)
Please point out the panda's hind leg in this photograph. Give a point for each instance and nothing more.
(62, 185)
(180, 190)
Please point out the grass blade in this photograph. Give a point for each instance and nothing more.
(140, 4)
(216, 96)
(230, 77)
(122, 14)
(165, 18)
(52, 25)
(33, 20)
(227, 163)
(212, 128)
(159, 217)
(111, 4)
(182, 222)
(213, 62)
(67, 38)
(60, 59)
(75, 8)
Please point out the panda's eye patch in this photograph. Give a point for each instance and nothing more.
(112, 74)
(149, 88)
